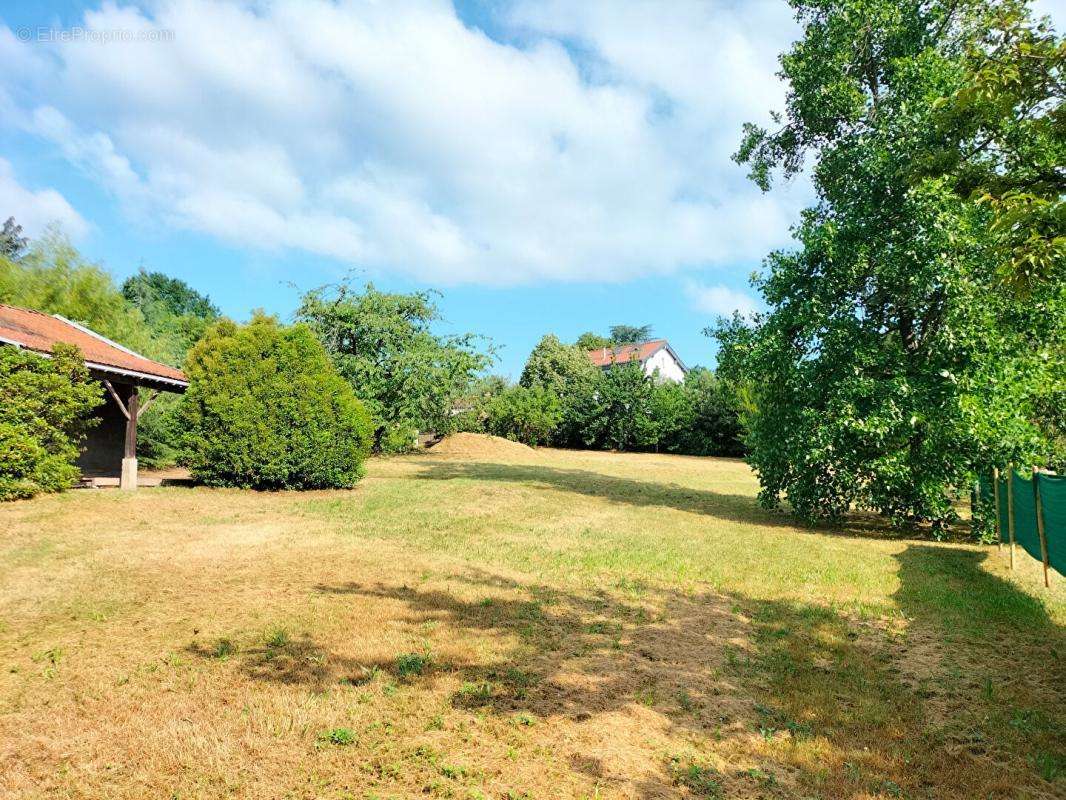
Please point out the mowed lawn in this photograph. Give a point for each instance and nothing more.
(556, 625)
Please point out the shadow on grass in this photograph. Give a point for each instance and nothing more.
(754, 697)
(974, 635)
(628, 491)
(823, 704)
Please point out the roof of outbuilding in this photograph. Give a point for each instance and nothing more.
(40, 332)
(624, 353)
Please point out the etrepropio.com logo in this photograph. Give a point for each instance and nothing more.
(93, 35)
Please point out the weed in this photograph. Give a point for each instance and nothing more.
(436, 723)
(278, 639)
(452, 771)
(684, 699)
(701, 780)
(1049, 766)
(223, 649)
(408, 664)
(342, 737)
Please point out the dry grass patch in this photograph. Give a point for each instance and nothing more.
(578, 625)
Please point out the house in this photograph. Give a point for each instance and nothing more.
(654, 356)
(110, 450)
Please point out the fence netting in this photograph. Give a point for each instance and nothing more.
(1021, 490)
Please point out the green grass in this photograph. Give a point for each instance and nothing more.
(562, 625)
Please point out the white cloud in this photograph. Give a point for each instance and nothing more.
(36, 210)
(720, 300)
(394, 137)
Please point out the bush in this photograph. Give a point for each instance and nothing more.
(527, 415)
(45, 409)
(266, 409)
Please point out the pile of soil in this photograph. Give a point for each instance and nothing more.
(479, 445)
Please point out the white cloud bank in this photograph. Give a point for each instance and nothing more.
(36, 210)
(392, 136)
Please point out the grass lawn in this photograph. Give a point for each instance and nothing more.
(562, 625)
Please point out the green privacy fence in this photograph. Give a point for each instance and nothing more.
(1030, 512)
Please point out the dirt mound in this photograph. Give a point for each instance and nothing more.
(479, 445)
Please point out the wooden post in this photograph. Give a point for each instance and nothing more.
(995, 492)
(1040, 526)
(1010, 510)
(129, 458)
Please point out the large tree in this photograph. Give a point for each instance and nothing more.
(890, 365)
(156, 293)
(621, 412)
(630, 334)
(384, 344)
(565, 371)
(12, 243)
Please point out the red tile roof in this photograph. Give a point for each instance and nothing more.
(624, 353)
(36, 331)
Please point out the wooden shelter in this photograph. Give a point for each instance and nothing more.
(111, 447)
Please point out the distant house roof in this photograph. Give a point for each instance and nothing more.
(624, 353)
(40, 332)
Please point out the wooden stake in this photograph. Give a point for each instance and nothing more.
(1010, 510)
(995, 492)
(1040, 526)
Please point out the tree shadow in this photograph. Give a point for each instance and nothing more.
(972, 634)
(734, 696)
(822, 704)
(303, 662)
(628, 491)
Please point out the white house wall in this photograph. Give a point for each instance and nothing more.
(668, 368)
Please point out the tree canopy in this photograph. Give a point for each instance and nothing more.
(45, 406)
(154, 292)
(384, 345)
(630, 334)
(891, 364)
(12, 243)
(1003, 138)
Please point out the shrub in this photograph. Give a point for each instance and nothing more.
(45, 409)
(266, 409)
(527, 415)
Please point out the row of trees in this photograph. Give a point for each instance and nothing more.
(300, 406)
(562, 399)
(269, 405)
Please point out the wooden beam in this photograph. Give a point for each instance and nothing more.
(118, 400)
(153, 394)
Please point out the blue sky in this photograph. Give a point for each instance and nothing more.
(549, 166)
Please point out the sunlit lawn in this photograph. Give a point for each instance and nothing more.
(560, 625)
